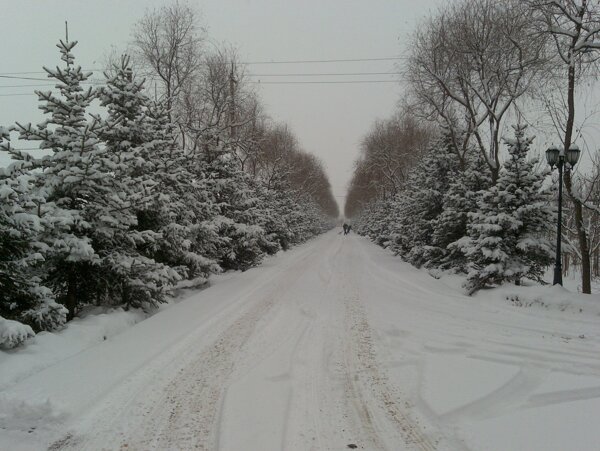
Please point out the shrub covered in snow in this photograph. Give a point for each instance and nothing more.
(13, 333)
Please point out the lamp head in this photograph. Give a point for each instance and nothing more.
(573, 154)
(552, 156)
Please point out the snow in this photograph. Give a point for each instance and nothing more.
(13, 333)
(442, 371)
(50, 348)
(535, 429)
(335, 342)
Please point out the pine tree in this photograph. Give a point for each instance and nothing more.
(506, 238)
(73, 175)
(311, 221)
(87, 210)
(274, 216)
(459, 200)
(181, 207)
(23, 296)
(382, 221)
(242, 240)
(143, 280)
(418, 206)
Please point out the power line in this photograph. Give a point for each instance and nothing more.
(94, 82)
(29, 72)
(27, 148)
(24, 78)
(258, 82)
(24, 86)
(312, 74)
(299, 74)
(8, 74)
(18, 94)
(348, 60)
(336, 82)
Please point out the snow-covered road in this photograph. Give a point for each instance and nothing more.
(332, 345)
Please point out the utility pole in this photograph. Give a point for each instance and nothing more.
(232, 83)
(67, 30)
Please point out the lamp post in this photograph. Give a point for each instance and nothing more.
(556, 157)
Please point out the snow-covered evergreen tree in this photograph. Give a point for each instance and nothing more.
(88, 212)
(124, 131)
(73, 177)
(311, 219)
(418, 206)
(506, 237)
(242, 241)
(276, 207)
(181, 206)
(292, 216)
(23, 296)
(126, 134)
(377, 221)
(459, 200)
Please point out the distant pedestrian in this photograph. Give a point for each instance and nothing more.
(345, 227)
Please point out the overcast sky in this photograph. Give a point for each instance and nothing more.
(329, 120)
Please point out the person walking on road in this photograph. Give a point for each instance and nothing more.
(346, 228)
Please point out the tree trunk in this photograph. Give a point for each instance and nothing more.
(586, 282)
(586, 286)
(71, 299)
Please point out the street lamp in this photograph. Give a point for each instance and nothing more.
(556, 157)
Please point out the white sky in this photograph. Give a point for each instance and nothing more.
(329, 119)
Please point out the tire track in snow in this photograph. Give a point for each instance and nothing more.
(319, 411)
(194, 398)
(380, 409)
(186, 413)
(374, 399)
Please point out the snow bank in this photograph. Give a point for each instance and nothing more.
(532, 295)
(550, 298)
(15, 414)
(32, 417)
(13, 333)
(48, 348)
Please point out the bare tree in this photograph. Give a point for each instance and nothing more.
(276, 155)
(574, 27)
(250, 133)
(280, 164)
(391, 149)
(361, 190)
(215, 108)
(167, 43)
(388, 152)
(218, 105)
(469, 64)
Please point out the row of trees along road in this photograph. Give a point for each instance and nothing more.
(182, 175)
(474, 67)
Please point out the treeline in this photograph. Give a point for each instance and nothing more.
(445, 184)
(182, 175)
